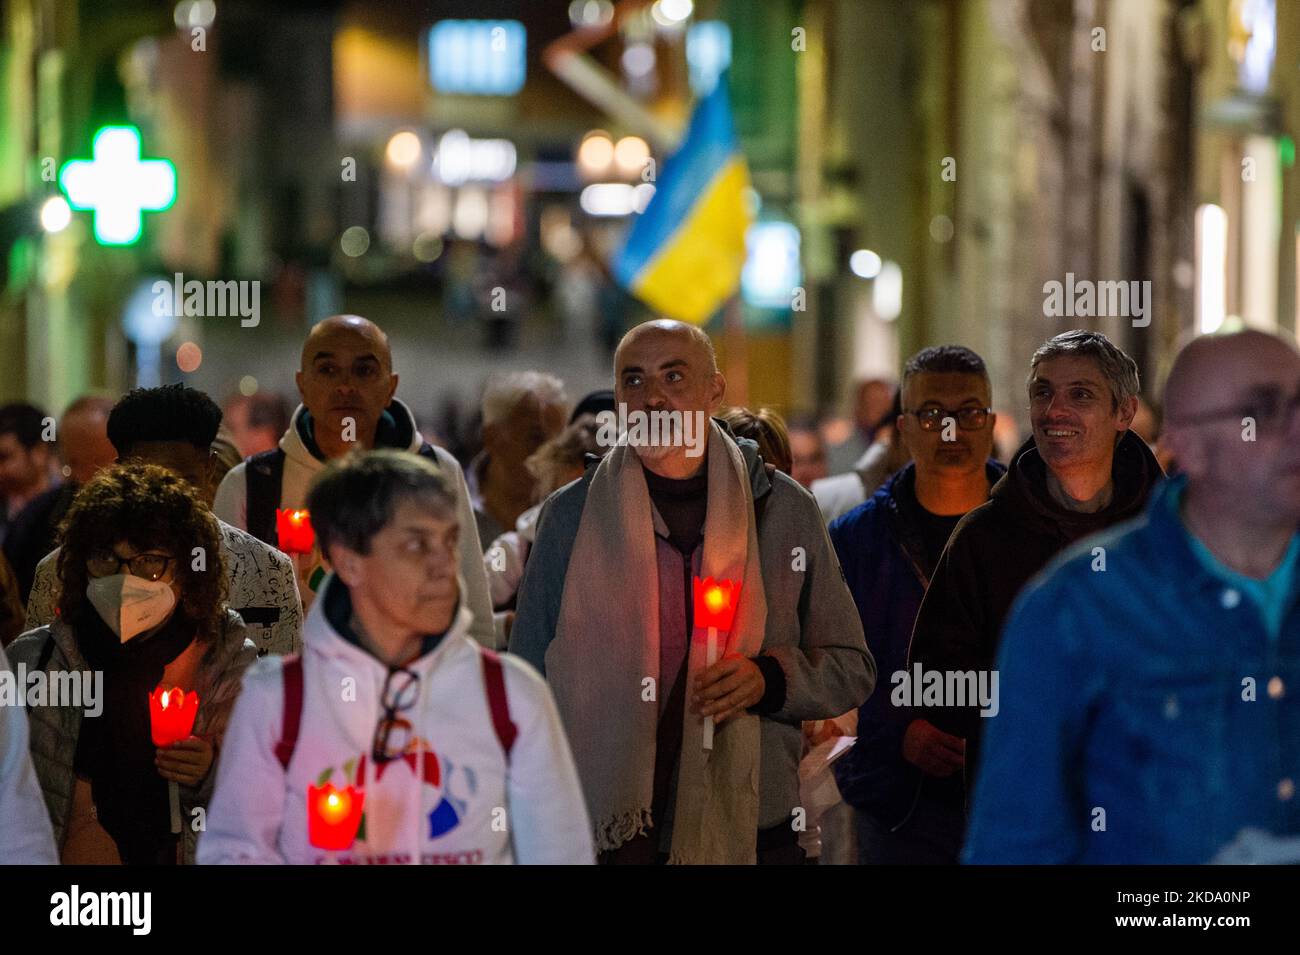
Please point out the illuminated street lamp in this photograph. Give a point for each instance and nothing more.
(596, 154)
(631, 154)
(670, 13)
(55, 214)
(404, 149)
(865, 264)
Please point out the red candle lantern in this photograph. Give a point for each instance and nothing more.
(715, 602)
(171, 714)
(293, 531)
(171, 719)
(333, 816)
(715, 608)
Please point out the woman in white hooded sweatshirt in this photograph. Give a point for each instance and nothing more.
(460, 754)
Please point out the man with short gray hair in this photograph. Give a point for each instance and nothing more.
(1153, 720)
(1080, 472)
(521, 412)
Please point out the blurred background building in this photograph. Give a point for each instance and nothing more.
(461, 172)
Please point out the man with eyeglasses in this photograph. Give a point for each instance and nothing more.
(1155, 716)
(903, 777)
(460, 753)
(1081, 471)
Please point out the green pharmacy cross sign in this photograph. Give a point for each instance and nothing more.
(118, 186)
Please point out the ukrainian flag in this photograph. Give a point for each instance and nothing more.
(684, 254)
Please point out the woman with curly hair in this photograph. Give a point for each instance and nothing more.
(142, 605)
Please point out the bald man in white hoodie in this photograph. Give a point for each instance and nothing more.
(349, 403)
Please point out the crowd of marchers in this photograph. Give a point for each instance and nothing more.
(1085, 649)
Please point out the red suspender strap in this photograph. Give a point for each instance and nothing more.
(494, 679)
(292, 674)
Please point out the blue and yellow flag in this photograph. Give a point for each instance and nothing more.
(684, 254)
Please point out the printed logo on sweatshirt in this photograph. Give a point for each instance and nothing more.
(453, 789)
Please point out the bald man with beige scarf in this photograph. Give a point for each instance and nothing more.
(605, 613)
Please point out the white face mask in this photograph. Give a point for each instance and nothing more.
(131, 605)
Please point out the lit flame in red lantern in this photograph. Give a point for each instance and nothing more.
(333, 816)
(715, 602)
(293, 530)
(171, 714)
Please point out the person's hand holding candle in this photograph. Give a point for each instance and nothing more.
(186, 761)
(724, 681)
(171, 724)
(728, 688)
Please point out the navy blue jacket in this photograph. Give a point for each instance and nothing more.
(881, 551)
(1146, 716)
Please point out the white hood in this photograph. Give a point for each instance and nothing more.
(453, 798)
(320, 636)
(296, 450)
(301, 466)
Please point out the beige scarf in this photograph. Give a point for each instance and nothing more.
(607, 644)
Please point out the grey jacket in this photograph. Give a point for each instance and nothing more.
(56, 729)
(813, 630)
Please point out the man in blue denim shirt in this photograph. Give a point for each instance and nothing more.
(1150, 677)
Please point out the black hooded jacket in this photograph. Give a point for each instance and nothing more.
(995, 550)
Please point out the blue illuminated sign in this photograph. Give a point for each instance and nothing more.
(477, 57)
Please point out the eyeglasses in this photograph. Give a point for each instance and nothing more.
(1270, 409)
(146, 566)
(968, 419)
(393, 734)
